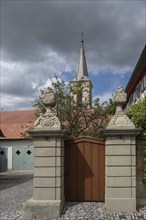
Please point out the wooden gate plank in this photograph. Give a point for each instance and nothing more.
(84, 169)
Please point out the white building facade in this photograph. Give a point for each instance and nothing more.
(136, 87)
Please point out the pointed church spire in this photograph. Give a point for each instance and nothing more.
(82, 72)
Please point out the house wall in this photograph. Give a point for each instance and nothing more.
(140, 185)
(10, 144)
(139, 92)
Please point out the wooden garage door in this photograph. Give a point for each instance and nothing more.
(3, 159)
(84, 170)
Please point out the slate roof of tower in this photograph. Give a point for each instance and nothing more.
(82, 72)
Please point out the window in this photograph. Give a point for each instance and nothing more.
(138, 91)
(134, 96)
(144, 79)
(130, 100)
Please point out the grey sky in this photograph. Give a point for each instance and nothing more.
(40, 38)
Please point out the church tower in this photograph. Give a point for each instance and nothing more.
(81, 79)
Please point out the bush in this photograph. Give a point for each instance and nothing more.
(137, 114)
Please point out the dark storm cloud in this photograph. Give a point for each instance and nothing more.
(42, 38)
(29, 28)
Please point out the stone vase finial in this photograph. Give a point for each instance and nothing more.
(120, 98)
(49, 118)
(120, 120)
(48, 98)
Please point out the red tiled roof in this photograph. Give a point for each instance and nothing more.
(15, 124)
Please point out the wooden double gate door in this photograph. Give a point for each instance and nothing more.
(85, 169)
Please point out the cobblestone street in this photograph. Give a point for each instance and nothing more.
(96, 211)
(13, 193)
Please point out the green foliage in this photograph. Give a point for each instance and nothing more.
(76, 118)
(145, 165)
(111, 107)
(137, 114)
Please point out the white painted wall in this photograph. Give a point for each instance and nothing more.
(9, 157)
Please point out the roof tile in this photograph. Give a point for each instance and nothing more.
(15, 124)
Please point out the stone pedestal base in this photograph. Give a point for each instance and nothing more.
(42, 209)
(121, 204)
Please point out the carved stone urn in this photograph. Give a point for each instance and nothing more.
(48, 98)
(49, 118)
(120, 120)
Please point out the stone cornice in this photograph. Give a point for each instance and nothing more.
(37, 133)
(122, 131)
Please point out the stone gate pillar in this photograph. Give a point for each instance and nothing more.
(120, 161)
(48, 183)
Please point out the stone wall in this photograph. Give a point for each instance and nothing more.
(120, 165)
(49, 169)
(140, 185)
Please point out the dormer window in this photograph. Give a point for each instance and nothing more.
(1, 134)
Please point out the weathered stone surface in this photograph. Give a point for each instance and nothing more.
(120, 192)
(121, 150)
(121, 204)
(122, 181)
(120, 120)
(48, 188)
(120, 171)
(48, 119)
(42, 210)
(120, 161)
(120, 138)
(120, 96)
(125, 160)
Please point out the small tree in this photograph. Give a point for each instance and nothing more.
(75, 117)
(111, 107)
(137, 114)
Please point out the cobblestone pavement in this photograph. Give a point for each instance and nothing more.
(97, 211)
(12, 199)
(15, 194)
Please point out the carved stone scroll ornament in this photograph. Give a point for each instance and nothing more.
(120, 119)
(49, 118)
